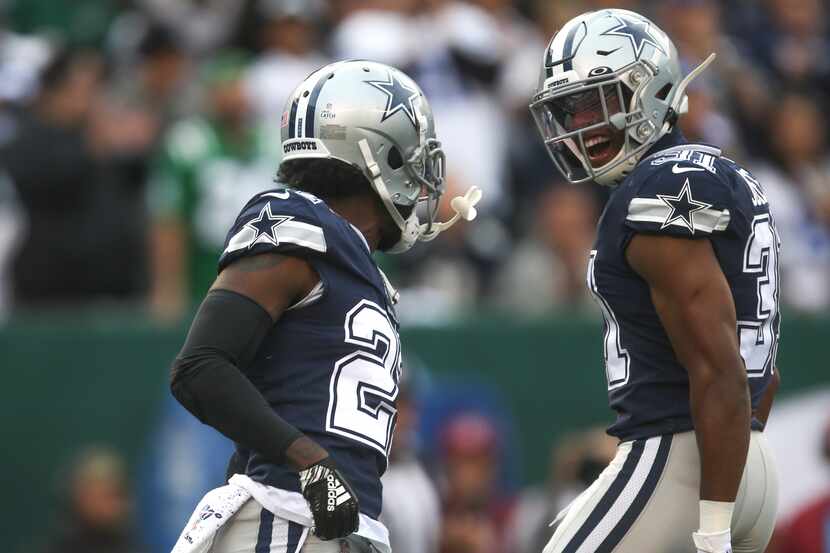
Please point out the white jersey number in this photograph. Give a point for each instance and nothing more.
(758, 336)
(616, 357)
(364, 384)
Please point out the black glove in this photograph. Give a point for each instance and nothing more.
(332, 501)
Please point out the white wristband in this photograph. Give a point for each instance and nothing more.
(720, 542)
(715, 516)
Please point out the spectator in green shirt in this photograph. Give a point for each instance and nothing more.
(206, 170)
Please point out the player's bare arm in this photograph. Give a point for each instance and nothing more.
(695, 305)
(761, 412)
(272, 280)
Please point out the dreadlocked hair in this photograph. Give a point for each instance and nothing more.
(328, 179)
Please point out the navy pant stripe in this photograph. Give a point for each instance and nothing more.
(295, 532)
(634, 510)
(608, 499)
(266, 527)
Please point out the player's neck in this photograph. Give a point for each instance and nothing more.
(363, 213)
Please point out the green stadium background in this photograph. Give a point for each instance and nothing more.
(100, 379)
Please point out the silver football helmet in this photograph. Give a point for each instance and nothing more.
(610, 87)
(374, 117)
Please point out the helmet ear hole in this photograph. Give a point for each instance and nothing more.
(663, 93)
(394, 158)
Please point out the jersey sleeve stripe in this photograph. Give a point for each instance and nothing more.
(303, 234)
(653, 210)
(290, 232)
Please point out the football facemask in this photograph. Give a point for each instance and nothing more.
(586, 126)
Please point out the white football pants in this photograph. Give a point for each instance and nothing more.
(646, 501)
(254, 529)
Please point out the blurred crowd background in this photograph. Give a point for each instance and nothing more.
(132, 131)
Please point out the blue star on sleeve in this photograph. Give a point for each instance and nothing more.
(682, 207)
(265, 226)
(278, 221)
(692, 206)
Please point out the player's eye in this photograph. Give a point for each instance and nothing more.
(582, 101)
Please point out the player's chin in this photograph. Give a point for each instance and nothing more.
(390, 234)
(389, 237)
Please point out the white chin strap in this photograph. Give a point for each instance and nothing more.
(409, 235)
(411, 229)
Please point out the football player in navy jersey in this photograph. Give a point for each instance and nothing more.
(684, 269)
(294, 353)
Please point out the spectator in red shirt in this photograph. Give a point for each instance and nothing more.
(809, 530)
(476, 512)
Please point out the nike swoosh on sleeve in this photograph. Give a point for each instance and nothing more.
(676, 169)
(281, 195)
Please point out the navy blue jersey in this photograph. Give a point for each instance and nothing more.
(331, 364)
(687, 191)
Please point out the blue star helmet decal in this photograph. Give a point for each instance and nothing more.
(636, 31)
(683, 207)
(265, 226)
(399, 97)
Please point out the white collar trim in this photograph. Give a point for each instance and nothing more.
(362, 238)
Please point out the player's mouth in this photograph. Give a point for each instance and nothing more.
(601, 147)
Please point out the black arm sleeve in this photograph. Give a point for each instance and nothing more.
(206, 378)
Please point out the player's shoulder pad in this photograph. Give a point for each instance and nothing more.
(681, 198)
(279, 221)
